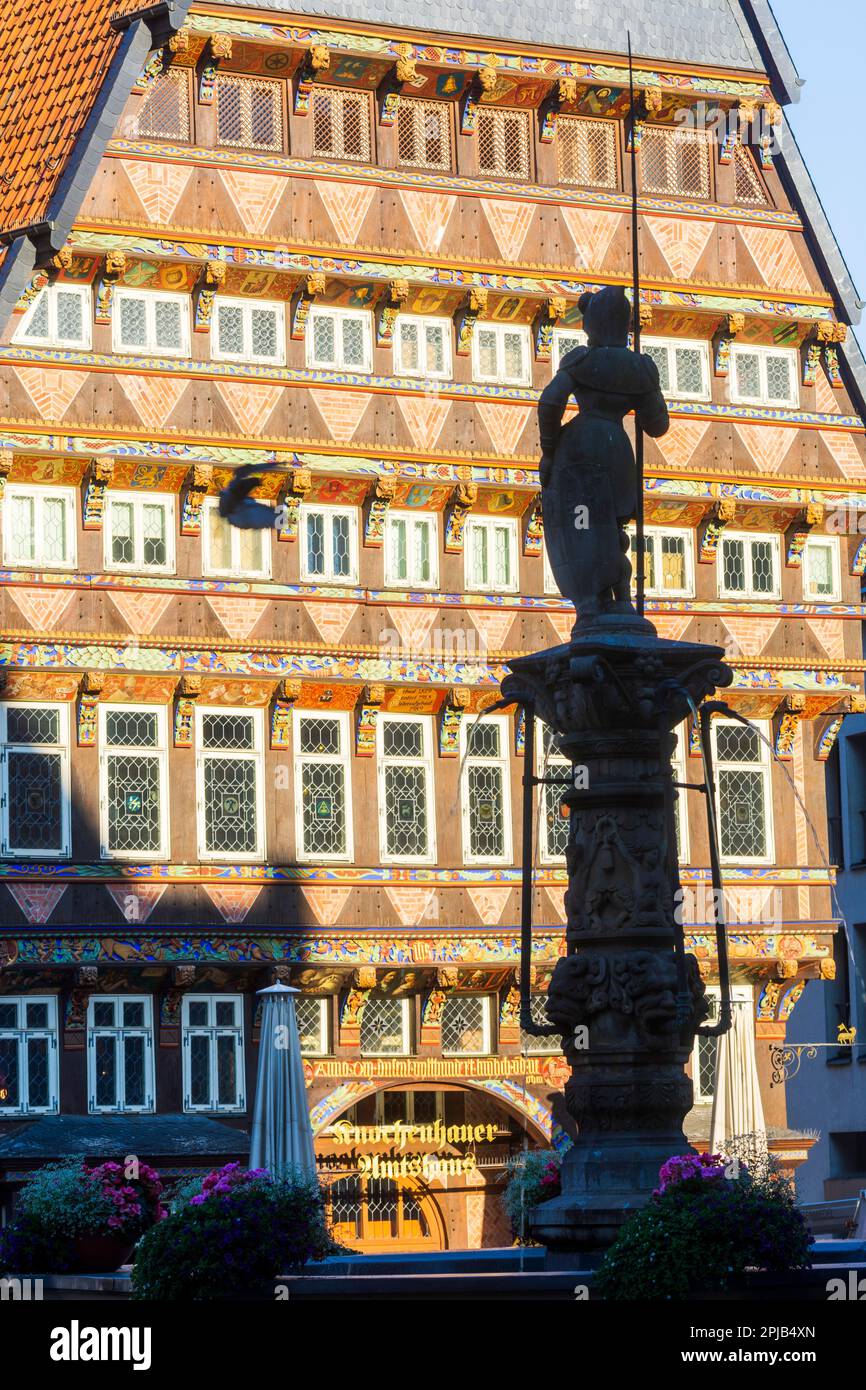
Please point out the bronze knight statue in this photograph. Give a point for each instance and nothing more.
(588, 468)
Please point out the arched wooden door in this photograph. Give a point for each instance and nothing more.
(374, 1215)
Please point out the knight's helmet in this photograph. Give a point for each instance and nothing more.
(606, 316)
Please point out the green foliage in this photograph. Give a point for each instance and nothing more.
(533, 1177)
(232, 1240)
(704, 1233)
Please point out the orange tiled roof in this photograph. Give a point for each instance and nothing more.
(54, 55)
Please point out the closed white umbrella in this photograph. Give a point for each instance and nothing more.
(737, 1105)
(281, 1139)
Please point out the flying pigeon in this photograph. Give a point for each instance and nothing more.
(239, 508)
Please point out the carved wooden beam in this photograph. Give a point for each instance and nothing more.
(286, 695)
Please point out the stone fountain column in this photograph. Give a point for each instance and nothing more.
(627, 1012)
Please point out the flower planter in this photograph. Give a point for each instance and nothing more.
(101, 1254)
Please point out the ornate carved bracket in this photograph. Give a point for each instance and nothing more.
(371, 702)
(785, 725)
(298, 484)
(828, 729)
(564, 94)
(453, 710)
(431, 1017)
(195, 490)
(465, 319)
(302, 303)
(188, 691)
(858, 564)
(97, 479)
(378, 501)
(463, 499)
(797, 533)
(551, 311)
(89, 691)
(113, 268)
(363, 984)
(210, 282)
(317, 60)
(533, 528)
(286, 695)
(831, 336)
(722, 340)
(218, 46)
(388, 309)
(721, 515)
(6, 460)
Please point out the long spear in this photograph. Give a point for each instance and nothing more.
(638, 432)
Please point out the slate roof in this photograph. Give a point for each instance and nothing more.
(107, 1136)
(711, 32)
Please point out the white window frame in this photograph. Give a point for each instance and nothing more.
(254, 755)
(762, 353)
(473, 526)
(118, 1031)
(213, 1030)
(560, 335)
(426, 762)
(749, 592)
(160, 752)
(246, 307)
(329, 512)
(61, 748)
(679, 762)
(832, 543)
(234, 571)
(740, 995)
(764, 766)
(344, 760)
(52, 338)
(486, 1023)
(654, 535)
(431, 521)
(40, 495)
(550, 584)
(20, 1033)
(151, 346)
(138, 501)
(319, 311)
(405, 1030)
(552, 765)
(670, 345)
(322, 1001)
(500, 329)
(424, 321)
(503, 763)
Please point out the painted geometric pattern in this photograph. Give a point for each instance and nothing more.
(489, 903)
(750, 634)
(592, 233)
(238, 615)
(681, 441)
(429, 214)
(504, 423)
(556, 898)
(825, 397)
(342, 411)
(493, 629)
(42, 608)
(234, 903)
(255, 196)
(152, 397)
(141, 611)
(776, 258)
(846, 455)
(425, 418)
(52, 391)
(681, 243)
(250, 405)
(509, 223)
(831, 634)
(136, 904)
(411, 905)
(767, 445)
(158, 187)
(330, 620)
(562, 623)
(413, 626)
(347, 205)
(670, 626)
(326, 904)
(36, 901)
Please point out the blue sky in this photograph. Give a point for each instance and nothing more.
(827, 41)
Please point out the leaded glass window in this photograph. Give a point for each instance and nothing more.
(422, 346)
(500, 354)
(341, 124)
(554, 827)
(490, 545)
(763, 375)
(164, 114)
(748, 566)
(339, 338)
(543, 1044)
(213, 1052)
(311, 1013)
(743, 792)
(133, 789)
(58, 317)
(485, 792)
(28, 1055)
(139, 532)
(231, 550)
(565, 340)
(120, 1053)
(424, 133)
(384, 1026)
(330, 543)
(39, 526)
(466, 1025)
(322, 772)
(674, 159)
(150, 321)
(249, 112)
(35, 812)
(821, 568)
(587, 151)
(668, 561)
(249, 330)
(405, 788)
(411, 550)
(683, 367)
(230, 811)
(504, 142)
